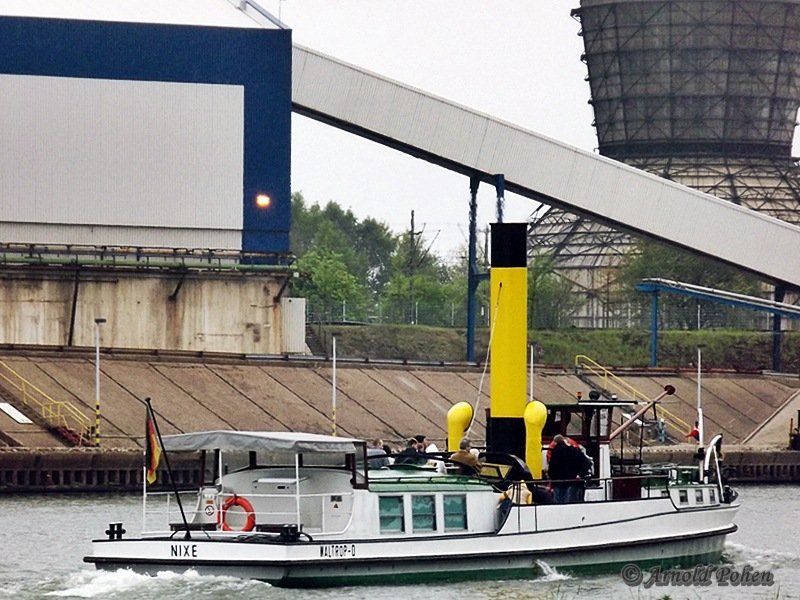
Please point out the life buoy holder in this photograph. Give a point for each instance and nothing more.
(242, 503)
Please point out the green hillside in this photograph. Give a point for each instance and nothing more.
(722, 349)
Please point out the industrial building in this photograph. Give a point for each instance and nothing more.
(145, 158)
(704, 93)
(144, 173)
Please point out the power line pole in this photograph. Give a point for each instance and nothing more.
(412, 266)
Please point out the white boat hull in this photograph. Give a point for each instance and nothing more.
(594, 541)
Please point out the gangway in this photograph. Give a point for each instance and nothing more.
(542, 169)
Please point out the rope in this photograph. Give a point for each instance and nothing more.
(486, 362)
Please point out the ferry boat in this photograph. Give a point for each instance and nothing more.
(303, 509)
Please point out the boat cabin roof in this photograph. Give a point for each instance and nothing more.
(270, 441)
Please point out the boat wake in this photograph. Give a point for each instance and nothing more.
(124, 583)
(550, 573)
(758, 557)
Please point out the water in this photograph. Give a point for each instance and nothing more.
(44, 539)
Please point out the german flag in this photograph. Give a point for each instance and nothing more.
(152, 447)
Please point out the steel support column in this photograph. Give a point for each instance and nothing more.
(654, 329)
(500, 187)
(472, 267)
(777, 334)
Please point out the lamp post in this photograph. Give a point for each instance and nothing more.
(97, 322)
(699, 395)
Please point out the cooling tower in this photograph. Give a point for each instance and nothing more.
(703, 92)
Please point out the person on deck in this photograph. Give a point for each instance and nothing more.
(694, 433)
(410, 455)
(465, 457)
(570, 442)
(517, 493)
(428, 445)
(566, 468)
(377, 451)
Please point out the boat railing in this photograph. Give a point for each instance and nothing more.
(619, 487)
(294, 510)
(454, 475)
(624, 486)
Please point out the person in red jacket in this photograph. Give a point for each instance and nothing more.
(566, 469)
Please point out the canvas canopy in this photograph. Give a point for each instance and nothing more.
(277, 441)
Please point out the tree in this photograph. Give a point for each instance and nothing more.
(365, 247)
(653, 260)
(377, 244)
(417, 292)
(551, 299)
(331, 291)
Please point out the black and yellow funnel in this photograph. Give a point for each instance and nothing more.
(505, 431)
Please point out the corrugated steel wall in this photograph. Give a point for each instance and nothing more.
(169, 132)
(153, 155)
(293, 311)
(153, 237)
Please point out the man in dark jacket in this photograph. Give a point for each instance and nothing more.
(410, 455)
(566, 468)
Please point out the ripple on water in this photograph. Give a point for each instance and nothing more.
(124, 583)
(759, 558)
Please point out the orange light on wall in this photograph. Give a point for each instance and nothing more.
(263, 201)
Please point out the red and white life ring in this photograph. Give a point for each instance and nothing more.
(245, 505)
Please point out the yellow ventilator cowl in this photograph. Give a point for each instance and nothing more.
(535, 416)
(458, 419)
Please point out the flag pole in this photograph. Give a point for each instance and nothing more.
(169, 469)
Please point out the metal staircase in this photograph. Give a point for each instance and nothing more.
(58, 416)
(314, 342)
(589, 371)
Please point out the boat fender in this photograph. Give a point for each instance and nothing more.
(245, 505)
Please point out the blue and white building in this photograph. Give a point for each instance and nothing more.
(145, 123)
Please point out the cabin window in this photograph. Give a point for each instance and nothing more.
(455, 512)
(391, 514)
(698, 496)
(712, 495)
(423, 513)
(683, 496)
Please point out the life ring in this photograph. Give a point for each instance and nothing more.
(242, 503)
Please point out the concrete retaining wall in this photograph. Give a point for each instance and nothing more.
(211, 312)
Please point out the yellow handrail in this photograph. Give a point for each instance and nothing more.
(57, 413)
(611, 381)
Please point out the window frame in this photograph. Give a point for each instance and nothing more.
(462, 513)
(417, 514)
(384, 514)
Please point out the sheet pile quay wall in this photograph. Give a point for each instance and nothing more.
(388, 401)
